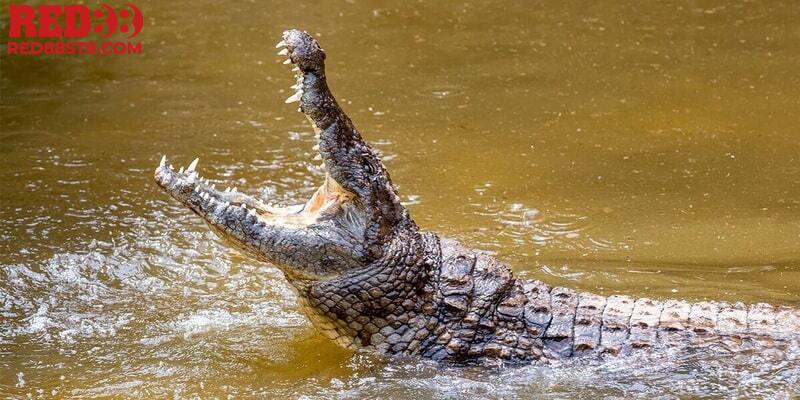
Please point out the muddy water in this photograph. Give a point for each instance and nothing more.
(645, 147)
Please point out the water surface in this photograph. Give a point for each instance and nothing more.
(649, 148)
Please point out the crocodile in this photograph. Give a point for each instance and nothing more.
(368, 277)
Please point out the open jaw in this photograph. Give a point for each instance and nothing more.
(222, 207)
(325, 231)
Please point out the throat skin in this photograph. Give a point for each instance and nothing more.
(381, 304)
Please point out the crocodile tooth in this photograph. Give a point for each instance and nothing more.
(213, 186)
(234, 189)
(294, 97)
(180, 171)
(322, 166)
(283, 52)
(252, 212)
(295, 69)
(244, 206)
(227, 189)
(211, 201)
(297, 86)
(287, 61)
(163, 161)
(317, 157)
(196, 189)
(315, 147)
(192, 165)
(281, 44)
(170, 167)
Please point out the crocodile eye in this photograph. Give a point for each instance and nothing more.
(369, 168)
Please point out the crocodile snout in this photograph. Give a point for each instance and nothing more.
(303, 50)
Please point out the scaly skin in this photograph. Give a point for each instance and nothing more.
(368, 277)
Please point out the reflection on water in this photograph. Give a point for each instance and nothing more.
(645, 148)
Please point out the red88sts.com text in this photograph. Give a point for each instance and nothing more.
(74, 29)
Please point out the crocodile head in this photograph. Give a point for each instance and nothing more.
(347, 221)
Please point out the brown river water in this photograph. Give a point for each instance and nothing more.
(649, 148)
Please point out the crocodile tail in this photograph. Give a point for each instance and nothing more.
(571, 324)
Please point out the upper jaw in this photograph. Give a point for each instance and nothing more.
(347, 158)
